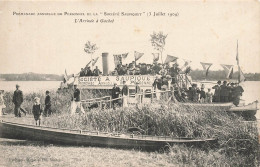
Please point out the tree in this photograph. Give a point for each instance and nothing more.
(90, 49)
(158, 42)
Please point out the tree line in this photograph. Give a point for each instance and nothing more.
(220, 75)
(31, 77)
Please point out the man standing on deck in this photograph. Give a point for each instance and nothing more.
(18, 100)
(216, 97)
(125, 90)
(115, 95)
(76, 101)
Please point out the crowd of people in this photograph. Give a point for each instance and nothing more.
(88, 72)
(146, 69)
(135, 69)
(225, 92)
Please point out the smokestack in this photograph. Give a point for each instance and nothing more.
(105, 63)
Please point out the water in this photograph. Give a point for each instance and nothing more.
(30, 86)
(252, 88)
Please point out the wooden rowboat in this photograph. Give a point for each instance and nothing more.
(248, 111)
(89, 138)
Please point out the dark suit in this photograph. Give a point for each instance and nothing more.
(47, 109)
(77, 95)
(125, 90)
(18, 100)
(115, 94)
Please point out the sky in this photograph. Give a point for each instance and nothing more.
(202, 32)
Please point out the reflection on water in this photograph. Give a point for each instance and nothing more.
(252, 88)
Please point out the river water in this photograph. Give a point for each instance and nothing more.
(251, 88)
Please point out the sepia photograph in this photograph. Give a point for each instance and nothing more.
(130, 83)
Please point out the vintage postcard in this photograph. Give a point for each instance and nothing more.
(176, 82)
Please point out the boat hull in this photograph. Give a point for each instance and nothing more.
(78, 138)
(248, 112)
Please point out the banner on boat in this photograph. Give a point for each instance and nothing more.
(143, 80)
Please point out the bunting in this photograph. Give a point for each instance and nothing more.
(206, 67)
(124, 56)
(155, 57)
(170, 58)
(138, 55)
(228, 70)
(94, 61)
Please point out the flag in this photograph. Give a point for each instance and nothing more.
(88, 64)
(170, 58)
(241, 77)
(228, 70)
(94, 61)
(138, 55)
(187, 62)
(66, 76)
(124, 56)
(206, 67)
(155, 57)
(117, 60)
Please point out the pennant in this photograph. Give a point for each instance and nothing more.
(228, 69)
(206, 67)
(94, 61)
(155, 57)
(117, 60)
(88, 64)
(170, 58)
(138, 55)
(124, 56)
(187, 62)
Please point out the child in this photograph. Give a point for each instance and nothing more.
(2, 104)
(209, 96)
(47, 109)
(37, 111)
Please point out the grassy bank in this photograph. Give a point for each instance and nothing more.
(238, 142)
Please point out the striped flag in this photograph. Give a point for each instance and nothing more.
(170, 58)
(228, 70)
(206, 67)
(155, 57)
(138, 55)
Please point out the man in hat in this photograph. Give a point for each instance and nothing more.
(115, 95)
(47, 108)
(76, 101)
(96, 71)
(18, 100)
(216, 97)
(231, 92)
(224, 92)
